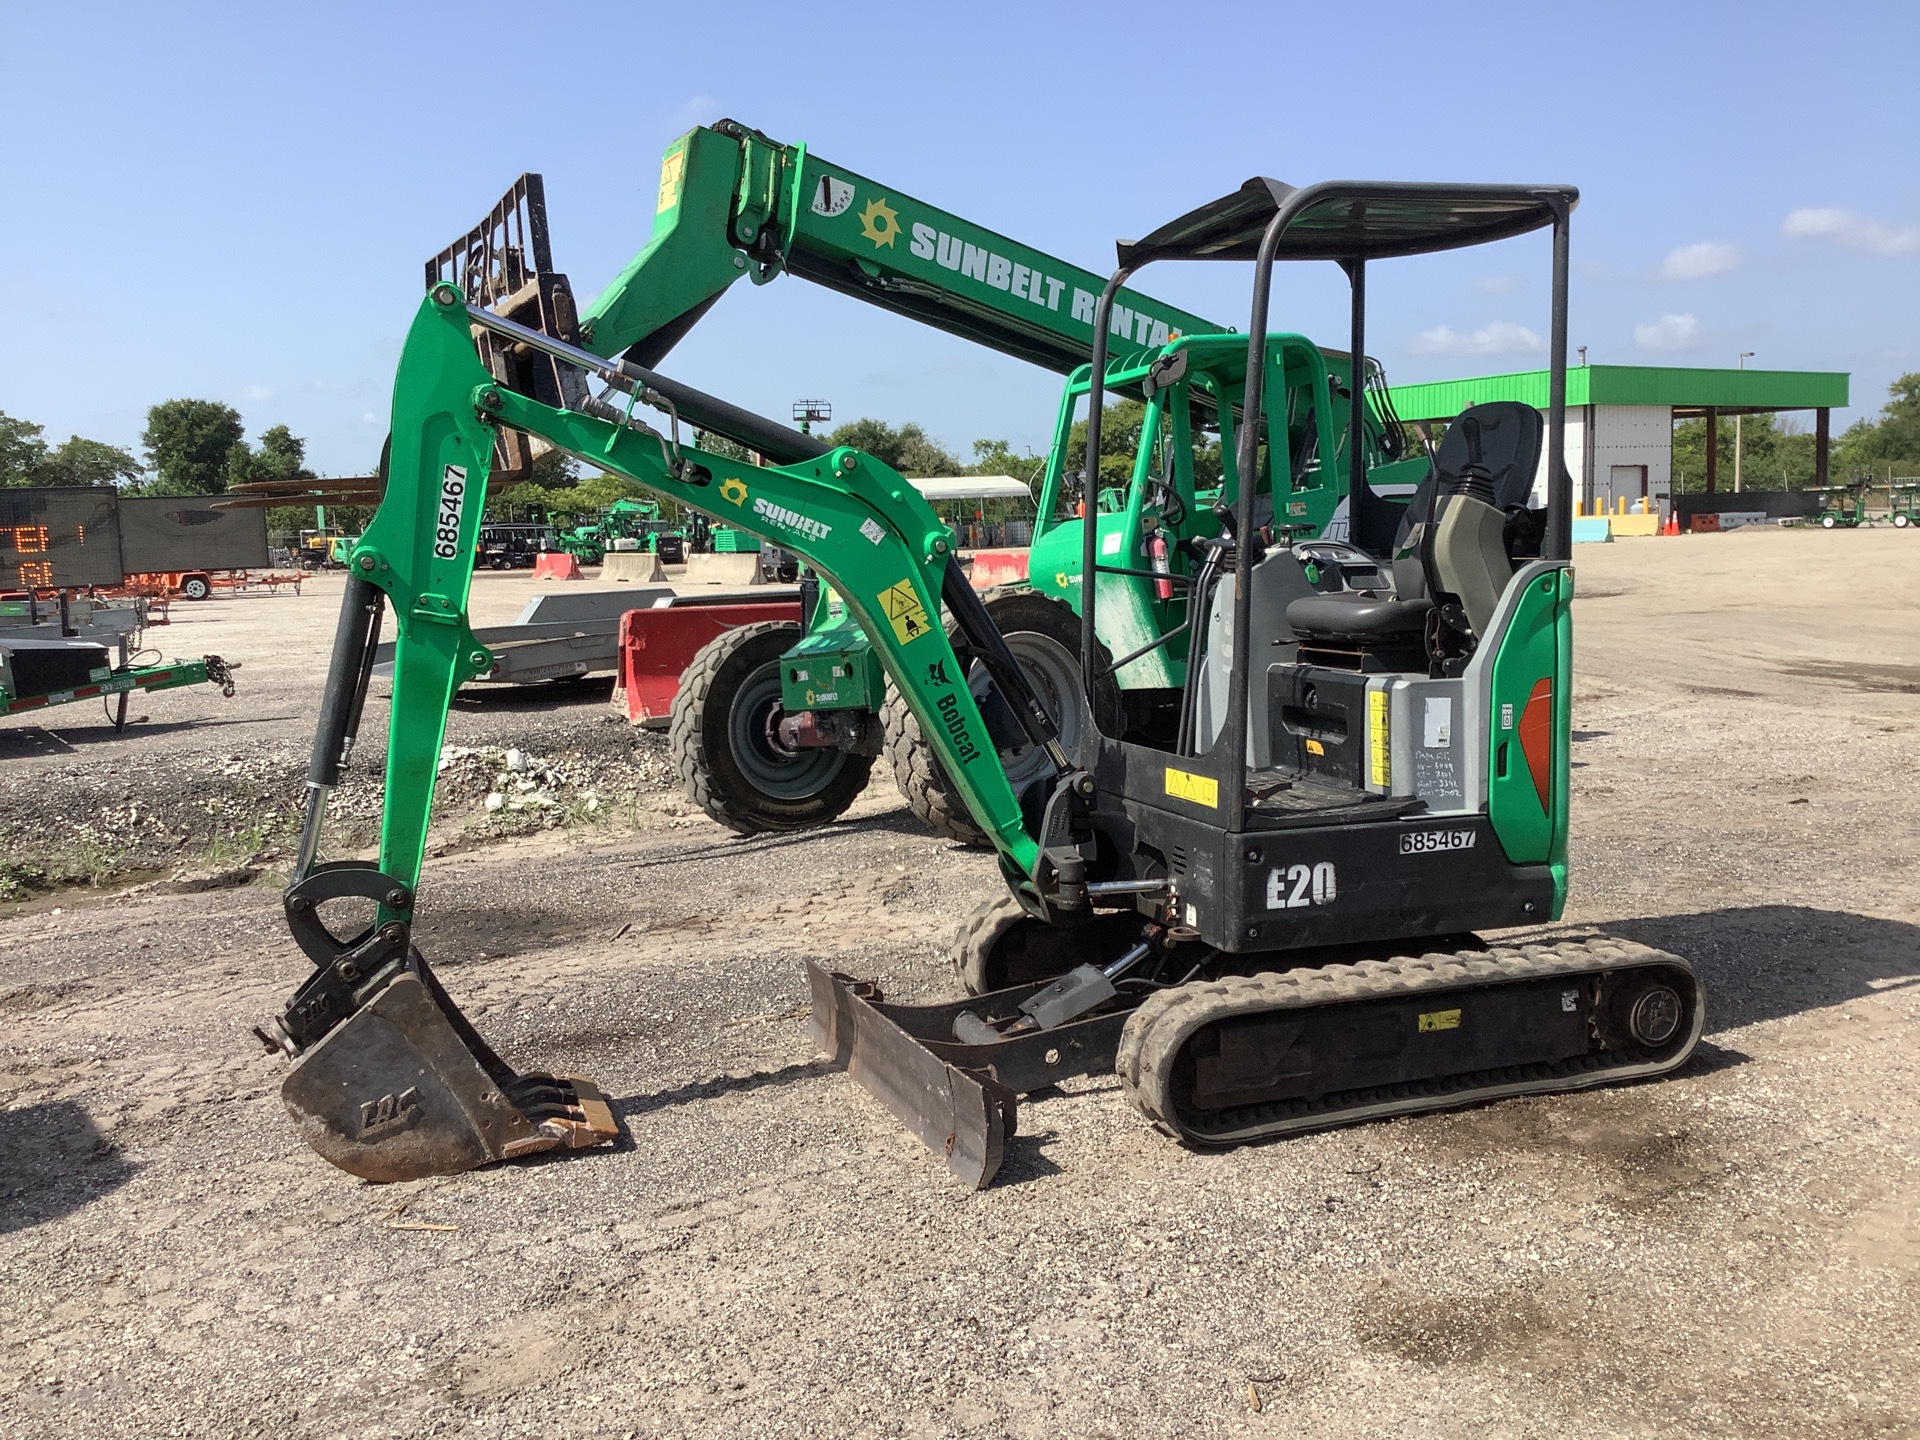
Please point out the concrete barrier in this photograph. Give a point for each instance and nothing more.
(733, 571)
(557, 565)
(1635, 524)
(997, 567)
(640, 565)
(1592, 530)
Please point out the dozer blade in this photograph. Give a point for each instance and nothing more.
(962, 1114)
(405, 1088)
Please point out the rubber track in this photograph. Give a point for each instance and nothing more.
(1161, 1027)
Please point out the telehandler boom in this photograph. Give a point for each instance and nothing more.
(762, 743)
(1252, 895)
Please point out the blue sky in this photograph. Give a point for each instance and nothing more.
(235, 201)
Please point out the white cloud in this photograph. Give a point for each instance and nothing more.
(1499, 338)
(1497, 284)
(1669, 332)
(256, 392)
(697, 110)
(1697, 262)
(1855, 231)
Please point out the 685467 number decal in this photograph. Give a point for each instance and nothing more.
(453, 504)
(1289, 887)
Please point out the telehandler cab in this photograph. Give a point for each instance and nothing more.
(1257, 904)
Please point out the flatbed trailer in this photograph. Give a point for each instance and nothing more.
(168, 675)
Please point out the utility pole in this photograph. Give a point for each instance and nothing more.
(1745, 355)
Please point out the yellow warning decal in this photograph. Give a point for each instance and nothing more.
(1380, 762)
(1200, 789)
(1314, 747)
(673, 171)
(1440, 1020)
(901, 603)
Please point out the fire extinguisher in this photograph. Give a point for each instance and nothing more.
(1157, 562)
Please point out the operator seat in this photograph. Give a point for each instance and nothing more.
(1476, 487)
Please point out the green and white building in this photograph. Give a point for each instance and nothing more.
(1620, 418)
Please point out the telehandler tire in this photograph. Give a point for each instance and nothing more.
(724, 740)
(1044, 635)
(999, 945)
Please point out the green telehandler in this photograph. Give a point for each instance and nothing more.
(783, 736)
(1257, 905)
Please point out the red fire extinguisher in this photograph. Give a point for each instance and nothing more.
(1157, 562)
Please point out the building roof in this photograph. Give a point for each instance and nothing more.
(1687, 390)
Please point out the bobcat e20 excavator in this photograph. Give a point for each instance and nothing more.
(1256, 903)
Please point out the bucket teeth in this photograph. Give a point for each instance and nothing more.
(404, 1088)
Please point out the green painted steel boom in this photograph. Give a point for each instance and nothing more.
(735, 203)
(864, 528)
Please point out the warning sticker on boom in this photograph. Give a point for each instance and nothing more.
(1440, 1020)
(903, 609)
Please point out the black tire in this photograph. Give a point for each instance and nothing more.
(1000, 946)
(1901, 521)
(1044, 635)
(721, 737)
(1826, 523)
(196, 587)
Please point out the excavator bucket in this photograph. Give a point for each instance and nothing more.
(404, 1088)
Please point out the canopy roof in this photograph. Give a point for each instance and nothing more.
(1687, 390)
(1351, 219)
(972, 487)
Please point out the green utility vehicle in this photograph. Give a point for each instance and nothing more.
(1843, 505)
(733, 203)
(1250, 890)
(1903, 501)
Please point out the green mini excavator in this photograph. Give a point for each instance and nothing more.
(1250, 886)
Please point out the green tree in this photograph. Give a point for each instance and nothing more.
(1888, 443)
(1120, 426)
(907, 448)
(189, 445)
(90, 462)
(997, 457)
(26, 459)
(22, 451)
(1776, 454)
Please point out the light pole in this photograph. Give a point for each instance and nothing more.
(1745, 355)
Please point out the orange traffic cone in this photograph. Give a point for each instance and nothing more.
(1672, 527)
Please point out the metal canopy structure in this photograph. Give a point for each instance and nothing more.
(1348, 220)
(1690, 393)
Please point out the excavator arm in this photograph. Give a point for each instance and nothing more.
(390, 1081)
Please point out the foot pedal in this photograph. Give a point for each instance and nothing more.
(405, 1088)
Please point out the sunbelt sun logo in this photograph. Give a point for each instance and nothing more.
(882, 226)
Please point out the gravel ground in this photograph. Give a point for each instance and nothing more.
(1732, 1252)
(203, 789)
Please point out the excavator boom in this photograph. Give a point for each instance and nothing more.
(390, 1081)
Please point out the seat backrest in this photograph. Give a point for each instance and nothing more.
(1508, 436)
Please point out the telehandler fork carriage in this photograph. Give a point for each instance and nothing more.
(1251, 890)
